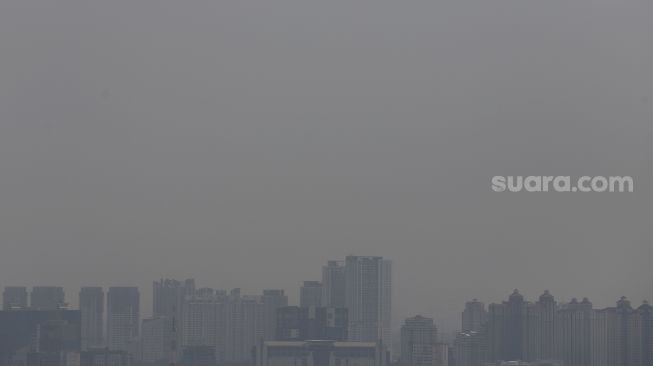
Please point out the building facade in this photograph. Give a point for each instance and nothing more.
(419, 337)
(14, 298)
(123, 317)
(47, 298)
(91, 306)
(368, 298)
(319, 353)
(474, 316)
(333, 283)
(310, 294)
(312, 323)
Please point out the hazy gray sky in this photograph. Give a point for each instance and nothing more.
(245, 143)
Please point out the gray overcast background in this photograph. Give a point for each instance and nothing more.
(245, 143)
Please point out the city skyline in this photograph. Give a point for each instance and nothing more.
(243, 144)
(233, 324)
(146, 310)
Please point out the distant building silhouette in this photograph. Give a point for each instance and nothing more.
(368, 298)
(333, 283)
(91, 306)
(168, 296)
(230, 323)
(573, 333)
(167, 302)
(123, 317)
(47, 298)
(419, 337)
(20, 330)
(272, 300)
(156, 338)
(474, 316)
(469, 349)
(311, 323)
(14, 298)
(310, 294)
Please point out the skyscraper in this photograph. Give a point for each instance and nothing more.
(47, 298)
(546, 307)
(91, 306)
(168, 296)
(123, 316)
(628, 340)
(14, 298)
(474, 316)
(333, 282)
(156, 336)
(311, 294)
(368, 298)
(496, 331)
(469, 349)
(514, 327)
(573, 345)
(621, 335)
(232, 324)
(603, 343)
(645, 313)
(272, 300)
(539, 332)
(419, 337)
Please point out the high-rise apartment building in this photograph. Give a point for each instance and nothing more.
(272, 300)
(368, 298)
(603, 337)
(333, 283)
(469, 349)
(573, 333)
(91, 306)
(539, 328)
(645, 313)
(474, 316)
(168, 296)
(123, 317)
(156, 338)
(168, 299)
(232, 324)
(515, 327)
(419, 337)
(495, 332)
